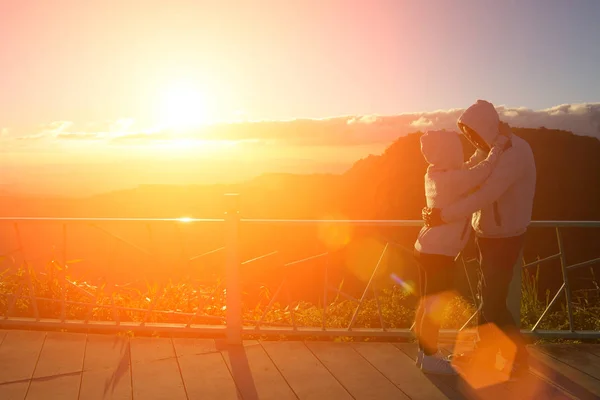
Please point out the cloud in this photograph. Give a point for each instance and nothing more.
(141, 136)
(421, 122)
(4, 132)
(35, 136)
(68, 130)
(56, 127)
(365, 119)
(581, 119)
(122, 125)
(80, 136)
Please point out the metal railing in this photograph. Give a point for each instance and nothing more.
(230, 321)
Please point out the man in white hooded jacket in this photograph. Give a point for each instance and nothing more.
(501, 211)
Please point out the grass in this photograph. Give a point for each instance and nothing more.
(181, 298)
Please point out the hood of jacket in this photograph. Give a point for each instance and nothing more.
(442, 149)
(483, 119)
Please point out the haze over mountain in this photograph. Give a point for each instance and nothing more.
(63, 158)
(389, 185)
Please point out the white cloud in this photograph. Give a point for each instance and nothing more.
(365, 119)
(56, 127)
(421, 122)
(122, 125)
(581, 119)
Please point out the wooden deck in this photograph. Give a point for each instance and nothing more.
(53, 365)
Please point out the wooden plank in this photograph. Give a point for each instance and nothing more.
(304, 372)
(2, 336)
(400, 370)
(14, 391)
(204, 370)
(590, 348)
(533, 386)
(58, 371)
(154, 370)
(107, 371)
(570, 379)
(359, 377)
(575, 357)
(19, 353)
(265, 380)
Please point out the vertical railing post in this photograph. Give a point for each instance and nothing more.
(63, 277)
(514, 291)
(565, 275)
(232, 279)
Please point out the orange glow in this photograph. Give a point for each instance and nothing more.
(362, 257)
(335, 236)
(485, 369)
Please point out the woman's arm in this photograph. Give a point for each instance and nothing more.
(475, 159)
(468, 179)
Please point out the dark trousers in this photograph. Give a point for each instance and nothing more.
(497, 328)
(436, 282)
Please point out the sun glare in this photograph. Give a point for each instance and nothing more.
(183, 107)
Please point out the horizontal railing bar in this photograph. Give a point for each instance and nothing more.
(584, 264)
(353, 222)
(542, 260)
(561, 334)
(109, 219)
(213, 329)
(46, 323)
(565, 224)
(407, 223)
(219, 330)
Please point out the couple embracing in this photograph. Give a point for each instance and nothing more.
(492, 193)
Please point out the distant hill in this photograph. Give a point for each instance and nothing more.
(568, 177)
(389, 185)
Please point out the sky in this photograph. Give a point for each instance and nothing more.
(100, 71)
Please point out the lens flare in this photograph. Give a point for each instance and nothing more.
(409, 287)
(362, 258)
(335, 235)
(487, 367)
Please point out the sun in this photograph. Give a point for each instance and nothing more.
(183, 107)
